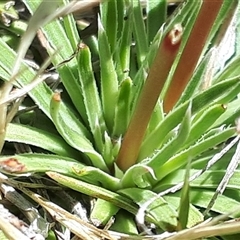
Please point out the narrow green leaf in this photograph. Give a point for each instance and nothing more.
(102, 212)
(230, 116)
(98, 192)
(125, 223)
(121, 7)
(36, 162)
(203, 121)
(163, 212)
(125, 42)
(41, 163)
(195, 216)
(40, 138)
(157, 117)
(57, 39)
(216, 176)
(108, 152)
(222, 205)
(220, 93)
(180, 159)
(155, 139)
(122, 114)
(184, 206)
(231, 70)
(201, 198)
(97, 176)
(109, 14)
(140, 35)
(70, 27)
(79, 142)
(91, 96)
(41, 94)
(173, 146)
(109, 80)
(156, 16)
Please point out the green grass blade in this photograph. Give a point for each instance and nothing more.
(184, 206)
(180, 159)
(156, 16)
(164, 213)
(203, 121)
(91, 97)
(231, 114)
(230, 71)
(209, 179)
(109, 80)
(97, 177)
(109, 16)
(72, 137)
(220, 93)
(98, 192)
(58, 39)
(125, 43)
(41, 94)
(124, 223)
(223, 203)
(36, 162)
(70, 28)
(122, 114)
(173, 146)
(102, 212)
(195, 216)
(201, 198)
(40, 138)
(139, 32)
(156, 138)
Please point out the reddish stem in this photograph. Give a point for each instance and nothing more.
(192, 51)
(155, 81)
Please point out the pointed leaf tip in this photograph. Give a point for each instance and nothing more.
(56, 97)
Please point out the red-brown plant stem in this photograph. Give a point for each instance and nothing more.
(192, 51)
(154, 83)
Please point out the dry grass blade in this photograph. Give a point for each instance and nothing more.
(27, 209)
(223, 184)
(197, 232)
(11, 232)
(73, 223)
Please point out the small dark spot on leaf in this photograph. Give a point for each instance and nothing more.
(224, 106)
